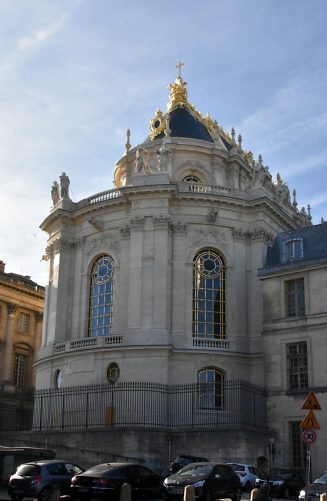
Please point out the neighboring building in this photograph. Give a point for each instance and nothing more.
(21, 314)
(154, 317)
(294, 286)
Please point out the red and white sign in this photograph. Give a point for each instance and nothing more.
(309, 436)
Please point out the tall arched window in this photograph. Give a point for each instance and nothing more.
(211, 388)
(101, 297)
(208, 295)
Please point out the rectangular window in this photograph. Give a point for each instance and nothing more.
(24, 323)
(19, 370)
(297, 365)
(297, 446)
(295, 298)
(294, 250)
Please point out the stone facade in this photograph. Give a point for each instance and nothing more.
(21, 316)
(189, 188)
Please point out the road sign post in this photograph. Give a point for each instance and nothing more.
(309, 424)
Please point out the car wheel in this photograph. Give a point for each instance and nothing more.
(237, 496)
(247, 486)
(44, 494)
(209, 495)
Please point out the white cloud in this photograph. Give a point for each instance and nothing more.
(26, 45)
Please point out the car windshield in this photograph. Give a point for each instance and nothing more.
(322, 479)
(196, 470)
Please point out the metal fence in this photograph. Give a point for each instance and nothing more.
(139, 404)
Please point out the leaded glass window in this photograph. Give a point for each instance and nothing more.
(20, 363)
(208, 295)
(295, 306)
(101, 297)
(297, 365)
(24, 322)
(191, 179)
(211, 388)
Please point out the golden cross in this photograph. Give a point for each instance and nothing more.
(179, 66)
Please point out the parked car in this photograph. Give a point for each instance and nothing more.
(247, 473)
(319, 486)
(36, 479)
(210, 481)
(184, 460)
(283, 482)
(105, 481)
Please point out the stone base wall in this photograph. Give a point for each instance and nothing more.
(156, 448)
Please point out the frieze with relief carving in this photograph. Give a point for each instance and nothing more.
(105, 243)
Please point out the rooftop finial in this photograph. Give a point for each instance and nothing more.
(179, 66)
(128, 144)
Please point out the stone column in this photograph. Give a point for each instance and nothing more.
(179, 327)
(161, 271)
(38, 331)
(135, 274)
(9, 342)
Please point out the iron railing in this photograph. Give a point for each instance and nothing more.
(140, 404)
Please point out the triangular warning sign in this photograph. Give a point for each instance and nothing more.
(310, 422)
(311, 402)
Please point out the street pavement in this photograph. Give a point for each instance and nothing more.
(4, 496)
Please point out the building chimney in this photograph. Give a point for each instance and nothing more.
(2, 267)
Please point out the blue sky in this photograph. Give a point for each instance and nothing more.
(75, 74)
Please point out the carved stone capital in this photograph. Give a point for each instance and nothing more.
(253, 234)
(12, 308)
(38, 317)
(161, 222)
(179, 227)
(125, 231)
(137, 223)
(61, 244)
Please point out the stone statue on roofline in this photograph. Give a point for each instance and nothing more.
(55, 193)
(164, 157)
(141, 162)
(64, 185)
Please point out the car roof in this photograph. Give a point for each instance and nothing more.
(47, 461)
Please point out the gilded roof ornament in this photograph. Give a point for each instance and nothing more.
(178, 94)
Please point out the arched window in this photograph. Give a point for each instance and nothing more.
(208, 295)
(190, 178)
(211, 388)
(101, 297)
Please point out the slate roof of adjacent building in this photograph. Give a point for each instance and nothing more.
(314, 240)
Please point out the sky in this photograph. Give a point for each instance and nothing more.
(76, 74)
